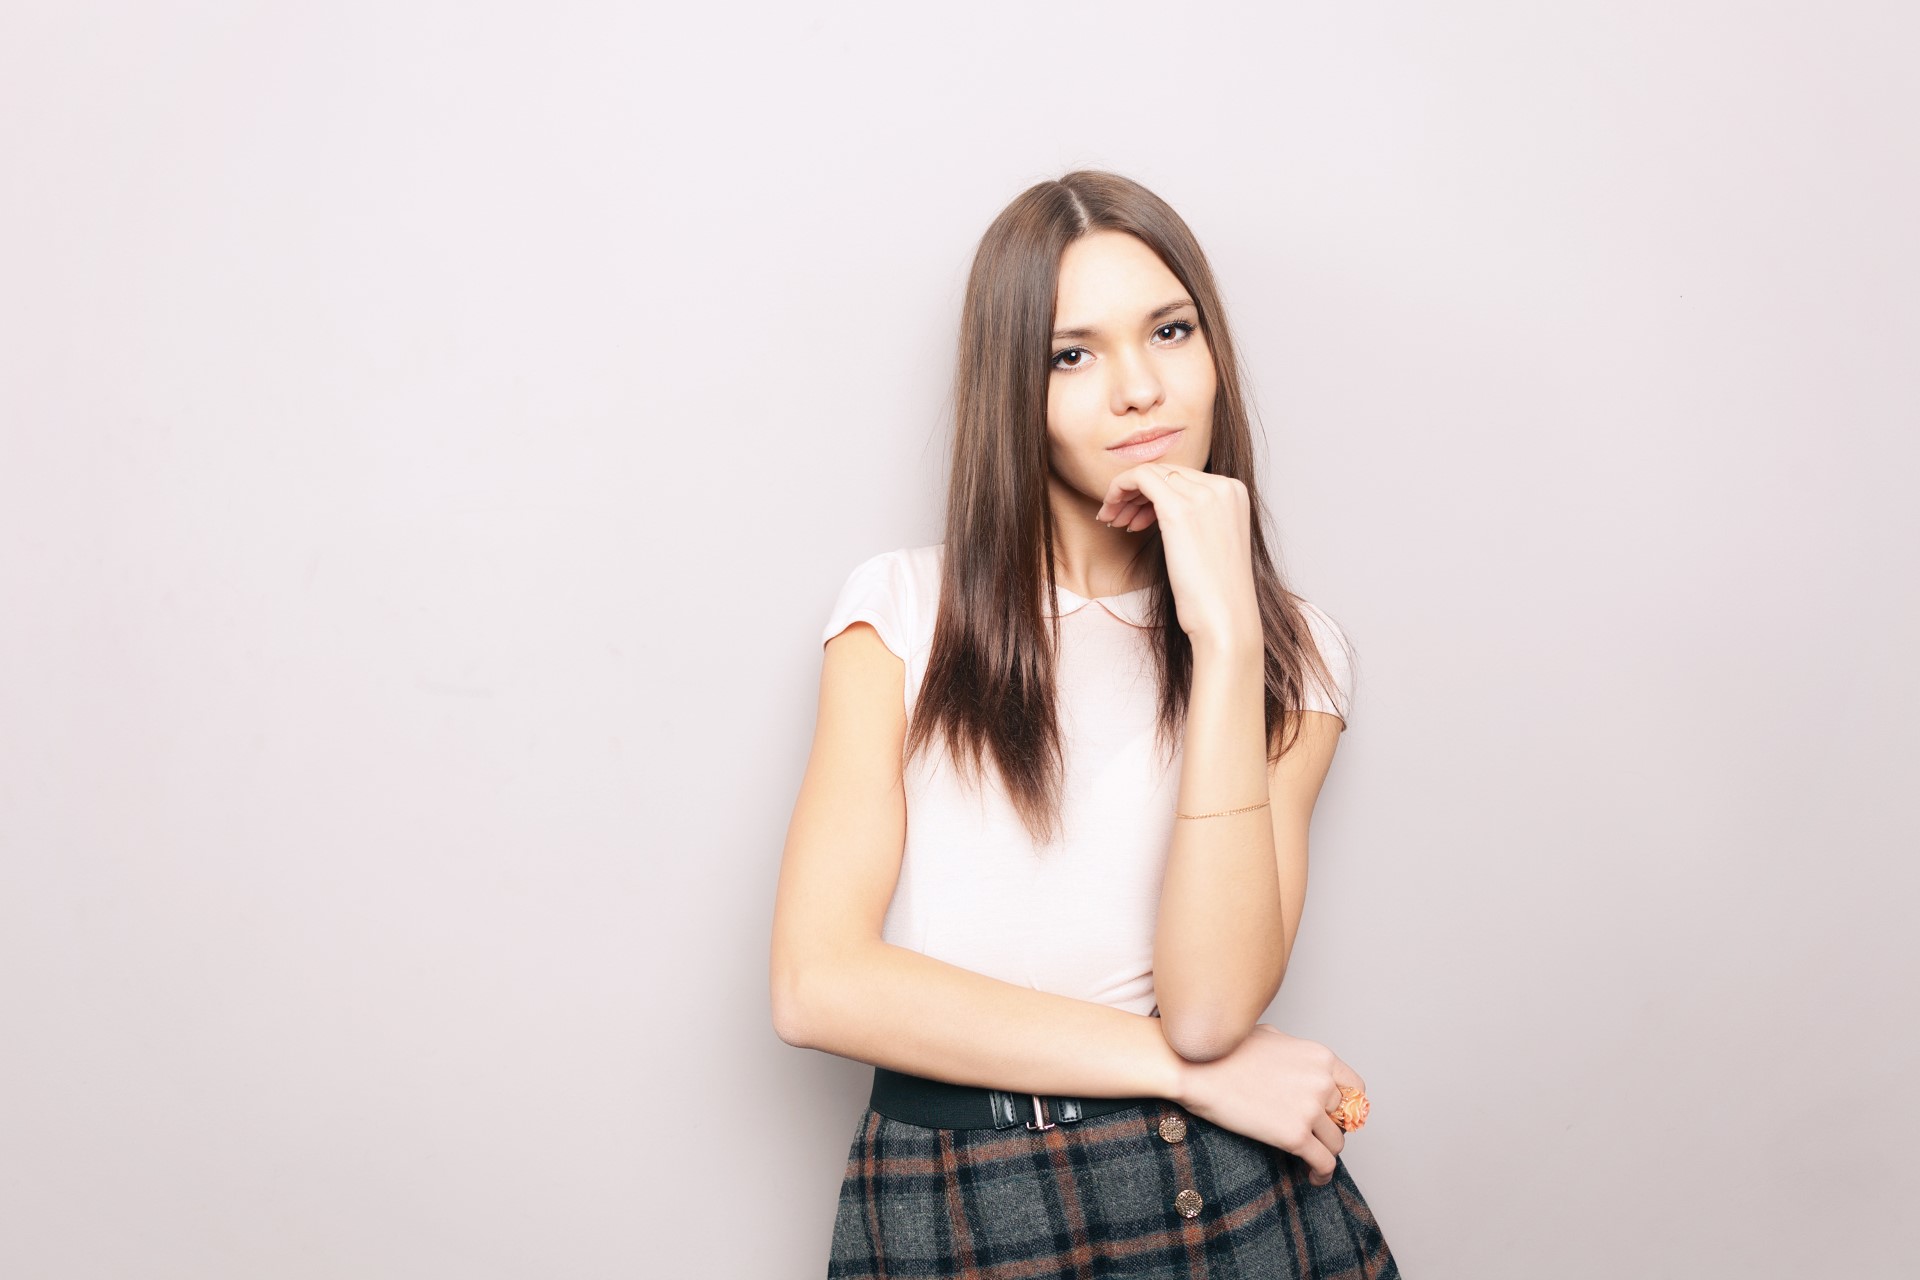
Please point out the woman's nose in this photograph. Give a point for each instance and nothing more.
(1137, 385)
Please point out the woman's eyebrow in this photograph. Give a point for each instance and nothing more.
(1155, 314)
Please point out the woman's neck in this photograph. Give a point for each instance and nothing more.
(1090, 559)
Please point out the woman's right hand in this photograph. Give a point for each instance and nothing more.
(1277, 1089)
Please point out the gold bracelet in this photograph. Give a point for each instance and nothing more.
(1224, 812)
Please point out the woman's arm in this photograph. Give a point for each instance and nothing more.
(1231, 897)
(1231, 893)
(838, 987)
(896, 1008)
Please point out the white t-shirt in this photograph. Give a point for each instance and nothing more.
(1076, 917)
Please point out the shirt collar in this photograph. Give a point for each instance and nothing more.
(1129, 606)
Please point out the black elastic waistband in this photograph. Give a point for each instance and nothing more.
(935, 1104)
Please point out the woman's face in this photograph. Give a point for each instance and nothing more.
(1128, 359)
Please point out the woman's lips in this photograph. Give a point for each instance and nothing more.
(1147, 450)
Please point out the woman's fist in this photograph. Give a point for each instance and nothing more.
(1277, 1089)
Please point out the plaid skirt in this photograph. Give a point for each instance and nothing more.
(1119, 1195)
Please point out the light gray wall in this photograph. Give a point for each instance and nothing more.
(433, 435)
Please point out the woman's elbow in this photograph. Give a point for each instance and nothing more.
(790, 1018)
(814, 991)
(1203, 1039)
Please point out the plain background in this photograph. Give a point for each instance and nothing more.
(434, 435)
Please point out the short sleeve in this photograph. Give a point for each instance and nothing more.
(878, 591)
(1337, 652)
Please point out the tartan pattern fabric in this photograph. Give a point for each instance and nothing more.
(1094, 1200)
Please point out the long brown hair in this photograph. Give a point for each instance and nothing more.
(989, 683)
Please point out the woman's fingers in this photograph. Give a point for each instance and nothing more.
(1329, 1133)
(1128, 512)
(1344, 1077)
(1132, 516)
(1146, 482)
(1319, 1160)
(1132, 501)
(1328, 1136)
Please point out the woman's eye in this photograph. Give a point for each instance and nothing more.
(1182, 329)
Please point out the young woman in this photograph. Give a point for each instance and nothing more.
(1050, 852)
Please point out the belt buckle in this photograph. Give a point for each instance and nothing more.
(1039, 1113)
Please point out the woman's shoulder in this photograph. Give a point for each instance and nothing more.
(921, 565)
(915, 569)
(896, 592)
(1336, 649)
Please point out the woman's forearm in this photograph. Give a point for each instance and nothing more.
(1219, 948)
(894, 1007)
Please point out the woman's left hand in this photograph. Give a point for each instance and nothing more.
(1205, 528)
